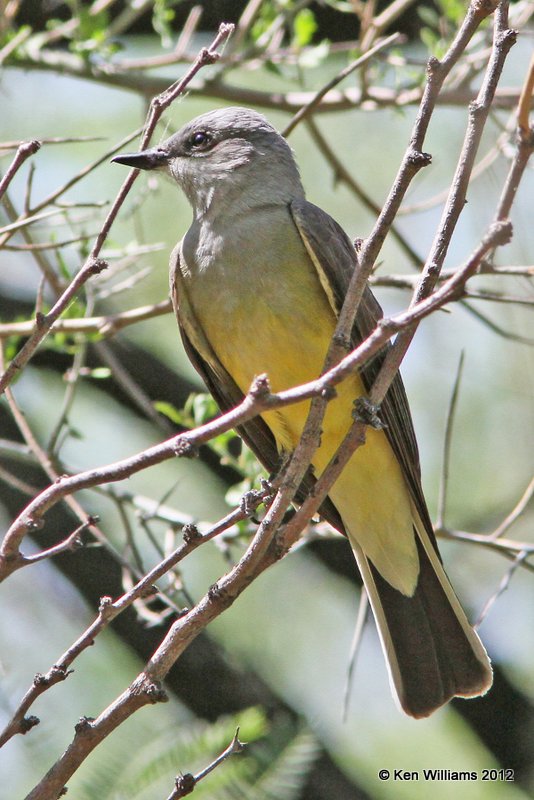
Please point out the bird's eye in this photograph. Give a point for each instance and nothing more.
(199, 140)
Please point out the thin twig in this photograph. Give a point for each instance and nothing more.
(525, 100)
(20, 37)
(363, 608)
(184, 784)
(94, 265)
(258, 400)
(106, 325)
(36, 246)
(44, 322)
(514, 515)
(342, 174)
(506, 547)
(21, 486)
(315, 101)
(177, 56)
(383, 20)
(447, 442)
(72, 377)
(25, 221)
(72, 542)
(13, 145)
(478, 113)
(524, 149)
(110, 610)
(25, 150)
(78, 176)
(374, 97)
(503, 586)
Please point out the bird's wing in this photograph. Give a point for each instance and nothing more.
(334, 258)
(432, 652)
(255, 433)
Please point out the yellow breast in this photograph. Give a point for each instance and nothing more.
(279, 322)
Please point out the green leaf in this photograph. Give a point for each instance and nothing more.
(100, 373)
(201, 408)
(170, 411)
(304, 27)
(204, 408)
(453, 10)
(91, 26)
(264, 19)
(274, 765)
(287, 775)
(7, 36)
(163, 15)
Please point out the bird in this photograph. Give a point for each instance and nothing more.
(257, 284)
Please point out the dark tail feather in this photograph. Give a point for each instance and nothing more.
(433, 653)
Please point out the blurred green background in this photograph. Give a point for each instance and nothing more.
(293, 626)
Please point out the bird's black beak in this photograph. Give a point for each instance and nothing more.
(146, 159)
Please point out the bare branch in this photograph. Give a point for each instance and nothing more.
(71, 543)
(414, 159)
(185, 784)
(503, 585)
(478, 114)
(177, 56)
(342, 174)
(447, 442)
(316, 99)
(25, 150)
(383, 20)
(44, 322)
(94, 265)
(35, 246)
(77, 177)
(106, 325)
(11, 46)
(336, 100)
(258, 400)
(274, 535)
(109, 610)
(363, 610)
(29, 220)
(21, 486)
(524, 150)
(13, 145)
(514, 515)
(525, 101)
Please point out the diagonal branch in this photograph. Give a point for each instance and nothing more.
(25, 150)
(260, 554)
(258, 400)
(94, 264)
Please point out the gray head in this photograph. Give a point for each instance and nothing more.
(233, 154)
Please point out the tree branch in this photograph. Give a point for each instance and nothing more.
(94, 265)
(25, 150)
(185, 784)
(258, 400)
(106, 325)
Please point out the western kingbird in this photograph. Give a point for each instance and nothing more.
(257, 284)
